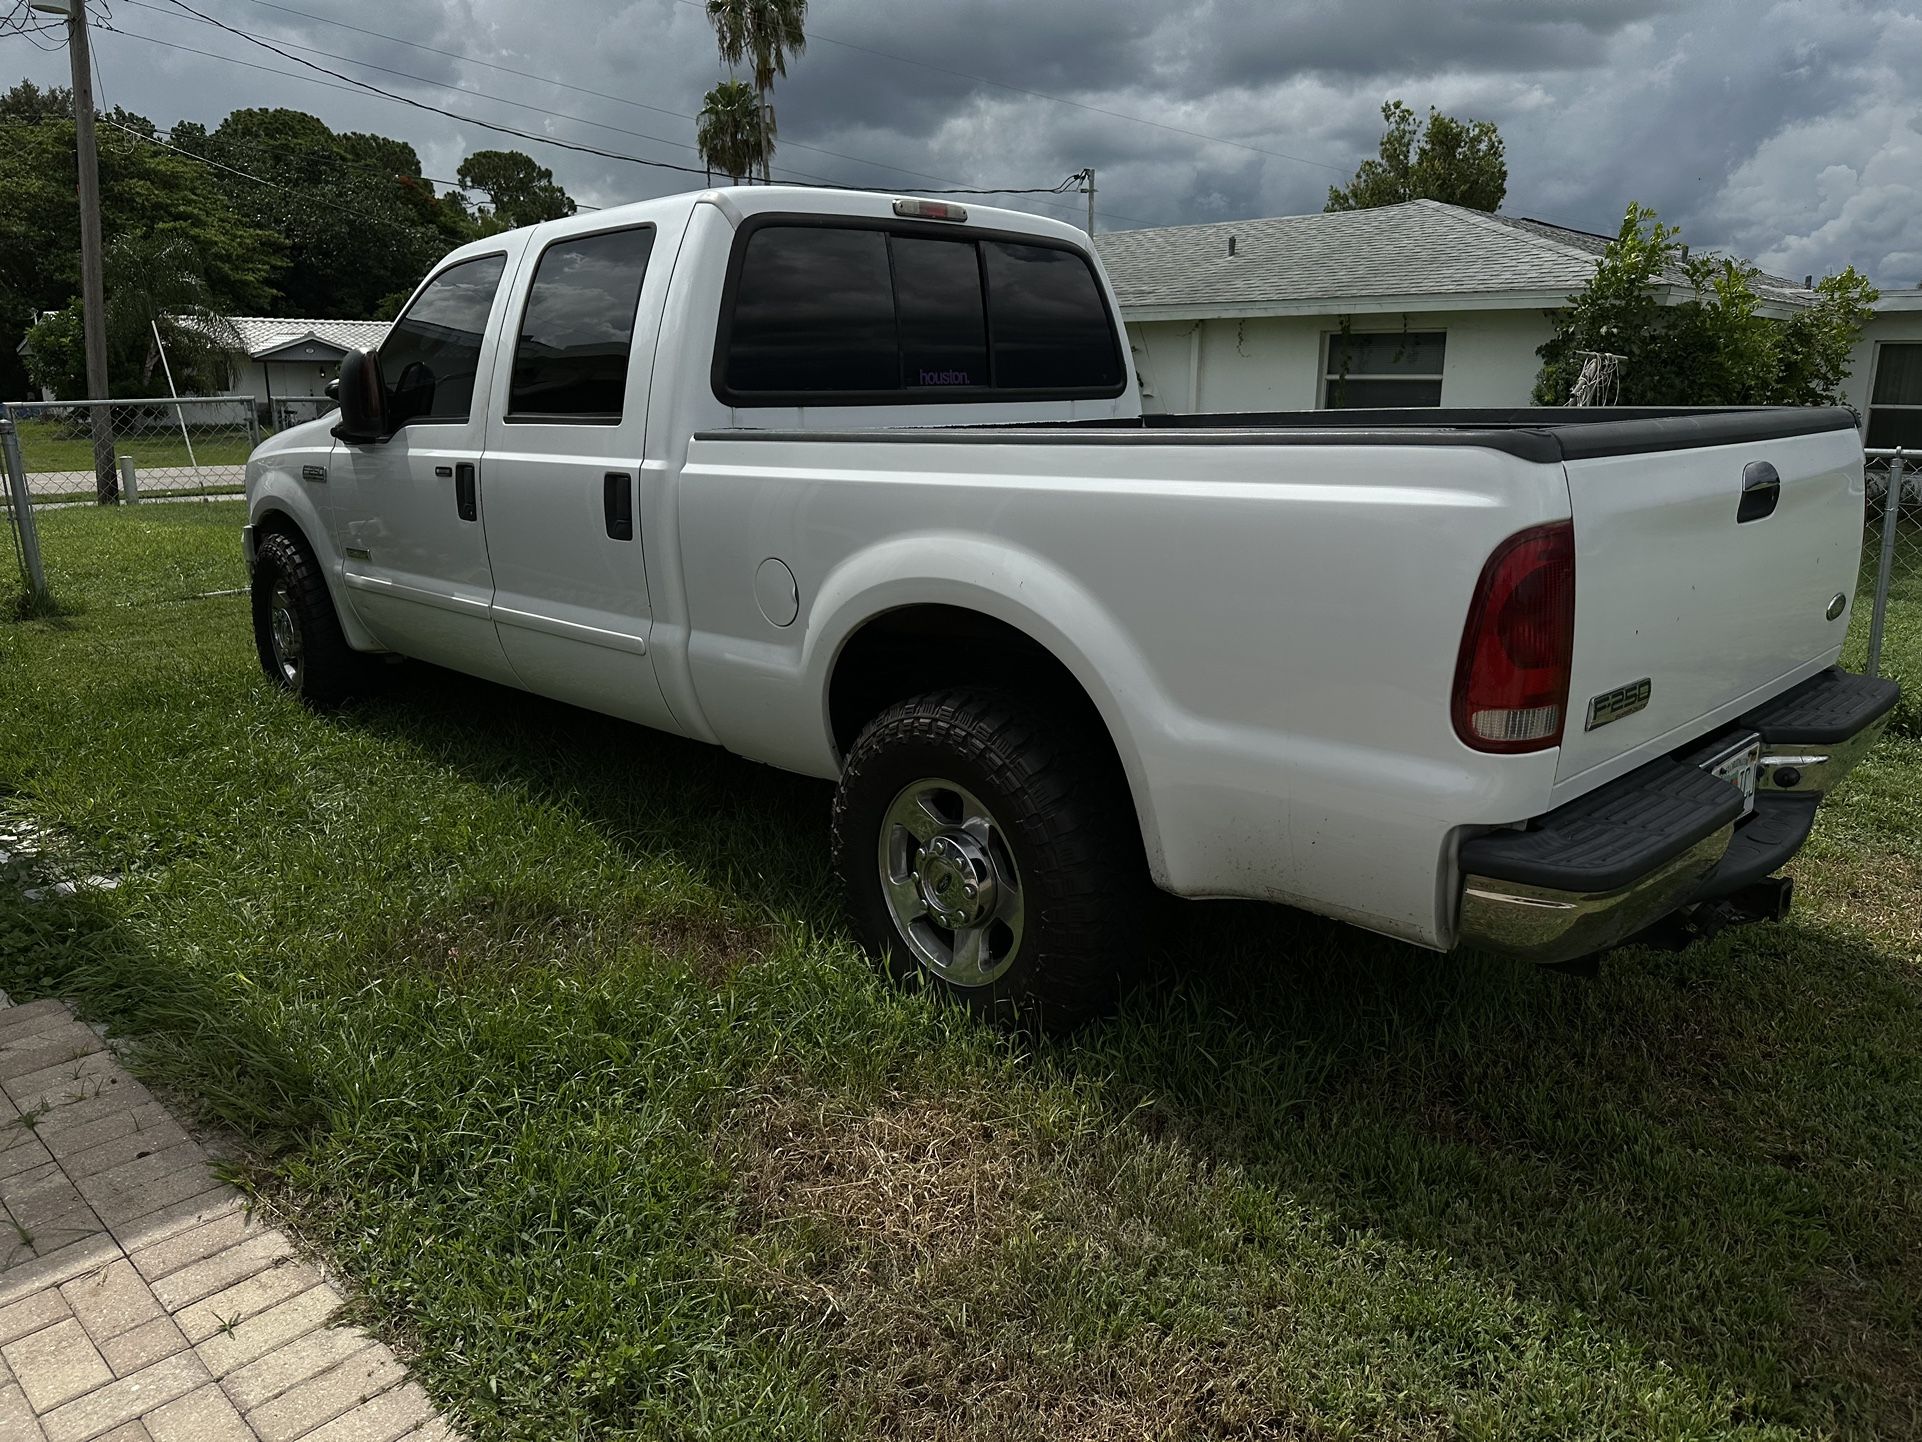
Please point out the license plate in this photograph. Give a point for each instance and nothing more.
(1738, 766)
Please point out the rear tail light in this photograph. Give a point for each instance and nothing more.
(1511, 680)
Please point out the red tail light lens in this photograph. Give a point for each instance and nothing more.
(1511, 680)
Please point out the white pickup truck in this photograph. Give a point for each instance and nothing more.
(860, 487)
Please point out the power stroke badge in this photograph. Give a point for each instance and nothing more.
(1622, 701)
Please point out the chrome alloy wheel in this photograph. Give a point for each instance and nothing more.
(950, 881)
(284, 626)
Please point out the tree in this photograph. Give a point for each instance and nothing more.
(28, 104)
(359, 224)
(762, 33)
(158, 294)
(520, 192)
(1713, 348)
(1460, 162)
(145, 190)
(733, 133)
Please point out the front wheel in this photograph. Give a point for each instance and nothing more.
(989, 849)
(302, 648)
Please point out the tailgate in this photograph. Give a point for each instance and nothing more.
(1681, 602)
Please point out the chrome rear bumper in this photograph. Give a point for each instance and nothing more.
(1547, 924)
(1558, 890)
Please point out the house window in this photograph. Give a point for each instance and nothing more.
(1384, 368)
(1895, 404)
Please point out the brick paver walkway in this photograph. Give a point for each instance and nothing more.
(139, 1301)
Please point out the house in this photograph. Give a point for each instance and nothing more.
(287, 363)
(1885, 373)
(1418, 304)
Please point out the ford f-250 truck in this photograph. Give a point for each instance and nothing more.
(860, 487)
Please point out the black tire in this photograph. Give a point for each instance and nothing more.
(1064, 821)
(321, 668)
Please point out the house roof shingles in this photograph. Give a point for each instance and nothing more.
(264, 334)
(1418, 248)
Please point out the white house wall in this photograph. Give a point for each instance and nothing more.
(1276, 362)
(1882, 328)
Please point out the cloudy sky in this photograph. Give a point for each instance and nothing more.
(1789, 132)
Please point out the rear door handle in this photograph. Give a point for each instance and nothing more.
(1761, 489)
(617, 501)
(466, 501)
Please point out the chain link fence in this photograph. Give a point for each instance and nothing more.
(135, 449)
(1886, 637)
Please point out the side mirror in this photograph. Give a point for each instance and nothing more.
(333, 389)
(363, 399)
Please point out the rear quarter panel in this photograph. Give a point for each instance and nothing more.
(1270, 632)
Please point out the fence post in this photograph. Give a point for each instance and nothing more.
(22, 504)
(129, 481)
(253, 426)
(1891, 518)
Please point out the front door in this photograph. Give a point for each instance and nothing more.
(563, 476)
(407, 509)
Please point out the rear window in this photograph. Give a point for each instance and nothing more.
(861, 313)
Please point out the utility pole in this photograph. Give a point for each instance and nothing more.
(93, 291)
(1087, 177)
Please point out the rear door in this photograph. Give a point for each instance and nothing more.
(1705, 578)
(565, 470)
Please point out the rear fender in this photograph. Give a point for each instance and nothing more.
(1021, 590)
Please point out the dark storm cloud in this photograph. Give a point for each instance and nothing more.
(1788, 129)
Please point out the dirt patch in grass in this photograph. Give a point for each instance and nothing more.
(923, 1241)
(1874, 891)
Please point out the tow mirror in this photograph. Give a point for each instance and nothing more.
(363, 399)
(333, 389)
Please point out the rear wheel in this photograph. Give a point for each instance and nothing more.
(988, 850)
(302, 648)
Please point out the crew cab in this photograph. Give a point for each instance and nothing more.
(860, 487)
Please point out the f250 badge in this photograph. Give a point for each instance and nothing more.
(1622, 701)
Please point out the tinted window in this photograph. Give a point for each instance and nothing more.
(429, 357)
(571, 358)
(819, 311)
(1050, 328)
(813, 312)
(944, 329)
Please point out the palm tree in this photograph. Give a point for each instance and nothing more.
(157, 293)
(734, 135)
(762, 33)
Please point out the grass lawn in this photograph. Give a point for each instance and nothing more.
(51, 446)
(546, 1031)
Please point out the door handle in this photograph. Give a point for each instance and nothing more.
(1761, 489)
(466, 501)
(617, 501)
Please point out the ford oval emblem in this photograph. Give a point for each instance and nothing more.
(1838, 605)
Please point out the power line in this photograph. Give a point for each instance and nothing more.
(407, 100)
(604, 95)
(304, 195)
(566, 85)
(538, 139)
(418, 79)
(1042, 95)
